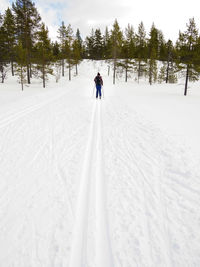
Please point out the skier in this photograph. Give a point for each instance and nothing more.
(99, 83)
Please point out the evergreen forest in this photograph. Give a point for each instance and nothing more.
(26, 50)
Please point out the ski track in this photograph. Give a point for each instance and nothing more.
(103, 244)
(138, 196)
(8, 119)
(78, 254)
(158, 244)
(20, 208)
(92, 173)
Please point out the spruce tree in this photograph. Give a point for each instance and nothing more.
(153, 46)
(68, 48)
(89, 42)
(162, 73)
(44, 54)
(186, 49)
(10, 41)
(27, 21)
(98, 44)
(141, 50)
(3, 51)
(77, 50)
(162, 48)
(170, 58)
(131, 41)
(116, 46)
(128, 50)
(55, 50)
(79, 42)
(196, 57)
(21, 64)
(62, 35)
(76, 54)
(56, 59)
(106, 45)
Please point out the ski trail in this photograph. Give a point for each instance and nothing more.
(92, 175)
(103, 248)
(147, 179)
(78, 253)
(14, 116)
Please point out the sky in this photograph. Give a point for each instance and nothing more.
(169, 16)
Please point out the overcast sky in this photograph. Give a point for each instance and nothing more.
(170, 16)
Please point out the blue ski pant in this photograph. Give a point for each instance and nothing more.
(98, 92)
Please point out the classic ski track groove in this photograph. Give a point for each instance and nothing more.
(78, 257)
(151, 190)
(26, 111)
(103, 244)
(103, 255)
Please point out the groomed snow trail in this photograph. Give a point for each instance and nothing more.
(92, 173)
(150, 225)
(97, 183)
(103, 244)
(16, 115)
(41, 145)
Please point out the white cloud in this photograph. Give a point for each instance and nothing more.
(4, 4)
(169, 16)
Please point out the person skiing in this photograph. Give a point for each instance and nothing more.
(99, 83)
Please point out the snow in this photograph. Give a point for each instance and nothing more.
(111, 182)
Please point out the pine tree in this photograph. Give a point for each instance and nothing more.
(116, 46)
(131, 41)
(162, 48)
(89, 42)
(98, 44)
(153, 46)
(27, 21)
(21, 64)
(57, 70)
(128, 49)
(162, 74)
(44, 54)
(78, 38)
(153, 43)
(170, 56)
(10, 41)
(79, 42)
(3, 50)
(141, 51)
(196, 57)
(55, 50)
(107, 45)
(186, 46)
(68, 48)
(172, 74)
(62, 35)
(76, 54)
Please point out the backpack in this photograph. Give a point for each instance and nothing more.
(98, 80)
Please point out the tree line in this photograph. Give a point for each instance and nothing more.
(25, 46)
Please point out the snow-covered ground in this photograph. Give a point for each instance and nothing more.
(99, 183)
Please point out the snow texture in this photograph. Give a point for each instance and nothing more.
(86, 182)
